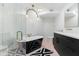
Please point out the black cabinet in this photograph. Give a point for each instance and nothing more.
(66, 46)
(30, 46)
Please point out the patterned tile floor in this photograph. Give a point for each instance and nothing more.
(42, 52)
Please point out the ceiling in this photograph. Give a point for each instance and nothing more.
(22, 7)
(53, 6)
(44, 6)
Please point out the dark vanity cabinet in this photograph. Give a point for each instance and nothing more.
(31, 46)
(66, 46)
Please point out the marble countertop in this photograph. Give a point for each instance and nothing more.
(26, 39)
(73, 35)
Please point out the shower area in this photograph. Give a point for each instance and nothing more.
(7, 28)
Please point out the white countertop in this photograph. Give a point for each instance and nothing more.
(26, 39)
(73, 35)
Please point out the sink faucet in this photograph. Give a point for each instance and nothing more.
(60, 30)
(29, 35)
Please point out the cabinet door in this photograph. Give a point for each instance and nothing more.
(68, 51)
(75, 45)
(56, 45)
(33, 45)
(68, 46)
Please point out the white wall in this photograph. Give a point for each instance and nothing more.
(48, 26)
(29, 24)
(72, 19)
(59, 22)
(7, 25)
(56, 23)
(33, 24)
(20, 23)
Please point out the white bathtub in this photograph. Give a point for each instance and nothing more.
(25, 39)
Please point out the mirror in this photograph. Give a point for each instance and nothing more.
(71, 16)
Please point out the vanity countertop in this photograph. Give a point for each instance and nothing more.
(26, 39)
(73, 35)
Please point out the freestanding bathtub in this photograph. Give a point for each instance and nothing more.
(32, 43)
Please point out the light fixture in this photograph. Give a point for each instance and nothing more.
(68, 10)
(51, 10)
(31, 9)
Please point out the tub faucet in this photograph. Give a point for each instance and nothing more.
(29, 35)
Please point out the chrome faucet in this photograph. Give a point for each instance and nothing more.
(29, 35)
